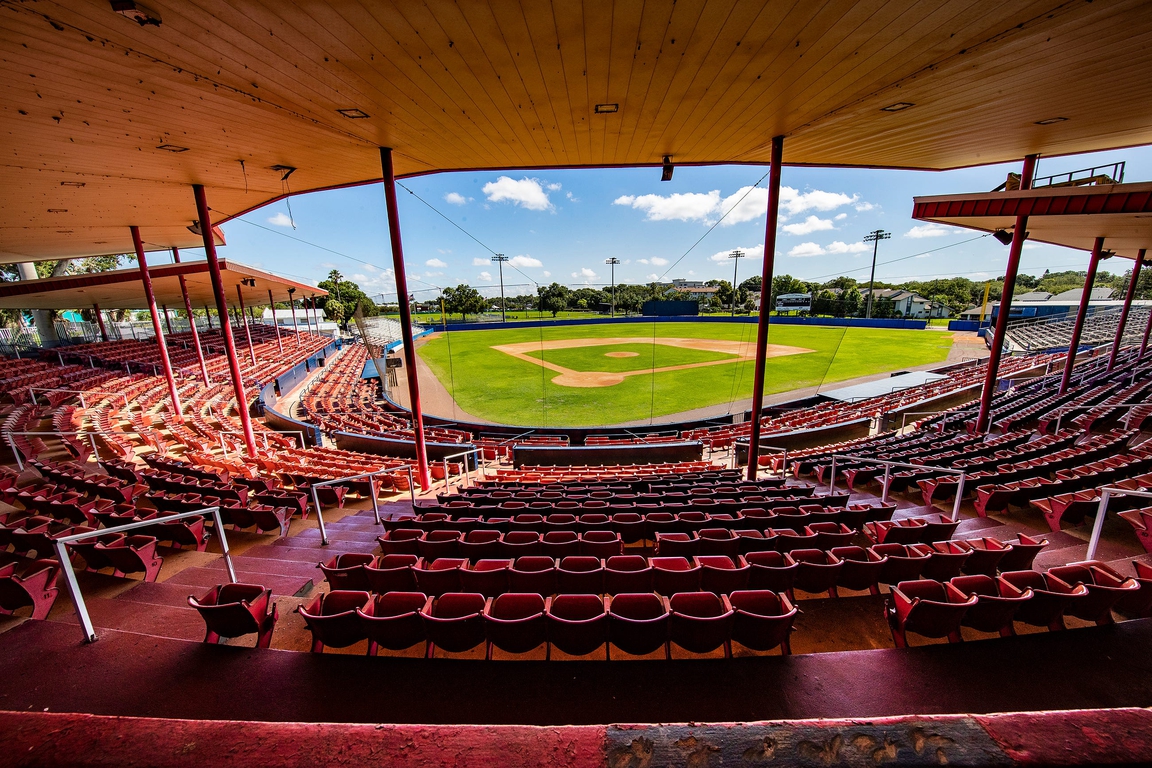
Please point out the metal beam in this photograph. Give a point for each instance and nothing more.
(1081, 313)
(192, 323)
(161, 346)
(1128, 296)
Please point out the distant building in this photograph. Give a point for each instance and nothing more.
(1044, 304)
(908, 303)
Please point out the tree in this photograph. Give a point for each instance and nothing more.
(554, 298)
(631, 298)
(724, 292)
(782, 284)
(852, 300)
(347, 293)
(752, 284)
(336, 311)
(464, 300)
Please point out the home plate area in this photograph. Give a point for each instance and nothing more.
(641, 356)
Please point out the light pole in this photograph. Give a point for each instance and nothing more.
(874, 237)
(735, 256)
(500, 259)
(613, 262)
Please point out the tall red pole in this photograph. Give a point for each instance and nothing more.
(765, 303)
(1131, 293)
(208, 317)
(1147, 330)
(1018, 234)
(315, 316)
(100, 322)
(1081, 313)
(295, 327)
(192, 321)
(405, 316)
(165, 363)
(244, 319)
(276, 325)
(167, 320)
(222, 309)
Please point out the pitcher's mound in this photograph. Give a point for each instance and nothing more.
(621, 354)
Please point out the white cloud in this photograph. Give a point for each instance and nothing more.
(794, 202)
(750, 208)
(486, 276)
(745, 204)
(809, 225)
(479, 262)
(435, 263)
(926, 230)
(651, 278)
(547, 273)
(444, 250)
(455, 198)
(689, 206)
(553, 187)
(864, 207)
(585, 273)
(281, 219)
(527, 193)
(655, 261)
(572, 197)
(525, 261)
(805, 250)
(841, 216)
(754, 253)
(837, 246)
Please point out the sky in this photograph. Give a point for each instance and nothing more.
(561, 225)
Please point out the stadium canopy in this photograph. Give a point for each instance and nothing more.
(123, 289)
(111, 116)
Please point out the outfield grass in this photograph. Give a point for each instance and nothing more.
(499, 387)
(648, 356)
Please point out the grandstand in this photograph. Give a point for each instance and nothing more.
(226, 545)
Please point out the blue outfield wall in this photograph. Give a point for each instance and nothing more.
(836, 322)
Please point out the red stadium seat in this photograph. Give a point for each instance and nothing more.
(440, 576)
(580, 575)
(638, 623)
(763, 620)
(997, 603)
(391, 573)
(533, 573)
(859, 570)
(560, 543)
(515, 622)
(393, 621)
(601, 544)
(346, 571)
(488, 577)
(722, 574)
(577, 624)
(454, 622)
(333, 620)
(627, 573)
(775, 571)
(1105, 589)
(674, 574)
(927, 608)
(32, 584)
(436, 544)
(1051, 597)
(235, 610)
(700, 622)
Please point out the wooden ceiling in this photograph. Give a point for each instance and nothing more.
(106, 123)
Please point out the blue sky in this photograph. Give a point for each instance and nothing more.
(561, 225)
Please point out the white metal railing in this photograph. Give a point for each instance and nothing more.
(69, 572)
(83, 403)
(467, 474)
(1106, 493)
(770, 449)
(20, 459)
(371, 476)
(888, 465)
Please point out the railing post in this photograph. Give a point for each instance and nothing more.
(16, 453)
(224, 544)
(887, 478)
(959, 497)
(375, 498)
(411, 488)
(92, 440)
(1098, 525)
(832, 476)
(319, 517)
(74, 592)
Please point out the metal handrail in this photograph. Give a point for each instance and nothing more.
(888, 477)
(375, 494)
(83, 404)
(773, 449)
(70, 574)
(20, 461)
(948, 413)
(467, 471)
(1105, 495)
(224, 447)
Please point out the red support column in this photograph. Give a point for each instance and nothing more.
(100, 322)
(192, 322)
(276, 325)
(295, 327)
(1018, 234)
(315, 316)
(765, 303)
(1081, 313)
(1120, 327)
(208, 317)
(167, 320)
(222, 308)
(405, 316)
(165, 363)
(247, 330)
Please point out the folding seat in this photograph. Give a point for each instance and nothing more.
(494, 523)
(723, 573)
(235, 610)
(1104, 590)
(533, 573)
(557, 544)
(638, 623)
(333, 620)
(436, 544)
(788, 540)
(439, 576)
(1022, 552)
(997, 603)
(627, 573)
(94, 560)
(859, 570)
(938, 531)
(718, 541)
(132, 554)
(630, 525)
(945, 559)
(603, 543)
(593, 521)
(527, 522)
(677, 543)
(909, 531)
(487, 577)
(519, 543)
(1138, 603)
(700, 622)
(984, 556)
(829, 535)
(31, 583)
(401, 541)
(754, 541)
(1141, 522)
(927, 608)
(1051, 597)
(402, 521)
(816, 571)
(577, 624)
(659, 522)
(562, 521)
(393, 621)
(515, 622)
(691, 521)
(762, 620)
(477, 545)
(431, 521)
(580, 575)
(854, 516)
(791, 518)
(346, 571)
(771, 570)
(902, 562)
(391, 573)
(454, 622)
(822, 515)
(674, 574)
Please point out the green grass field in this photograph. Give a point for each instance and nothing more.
(499, 387)
(647, 356)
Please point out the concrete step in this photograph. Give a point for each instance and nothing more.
(129, 616)
(339, 535)
(159, 593)
(206, 578)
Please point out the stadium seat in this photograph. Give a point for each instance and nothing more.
(441, 543)
(560, 543)
(393, 621)
(346, 571)
(984, 556)
(391, 573)
(133, 554)
(677, 544)
(333, 620)
(602, 543)
(775, 571)
(515, 623)
(478, 545)
(674, 574)
(1023, 551)
(722, 574)
(909, 531)
(859, 570)
(488, 577)
(1105, 589)
(1051, 597)
(533, 573)
(762, 620)
(718, 541)
(577, 624)
(580, 575)
(787, 540)
(945, 560)
(997, 603)
(927, 608)
(235, 610)
(440, 576)
(638, 623)
(627, 573)
(630, 525)
(700, 622)
(829, 535)
(32, 583)
(901, 562)
(516, 544)
(816, 571)
(400, 541)
(454, 622)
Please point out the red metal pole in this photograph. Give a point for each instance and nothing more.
(315, 317)
(765, 303)
(165, 363)
(244, 319)
(405, 316)
(192, 322)
(1081, 313)
(222, 308)
(1018, 234)
(295, 327)
(1127, 307)
(167, 320)
(100, 322)
(208, 316)
(276, 325)
(1147, 330)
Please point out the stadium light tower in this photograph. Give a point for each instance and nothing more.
(735, 256)
(500, 259)
(613, 262)
(874, 237)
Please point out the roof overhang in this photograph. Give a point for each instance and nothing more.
(123, 288)
(1070, 216)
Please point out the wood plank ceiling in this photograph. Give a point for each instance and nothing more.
(106, 123)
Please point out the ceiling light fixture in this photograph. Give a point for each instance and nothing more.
(136, 12)
(57, 210)
(607, 109)
(899, 106)
(194, 228)
(668, 168)
(287, 170)
(1052, 121)
(1003, 235)
(76, 184)
(172, 148)
(353, 114)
